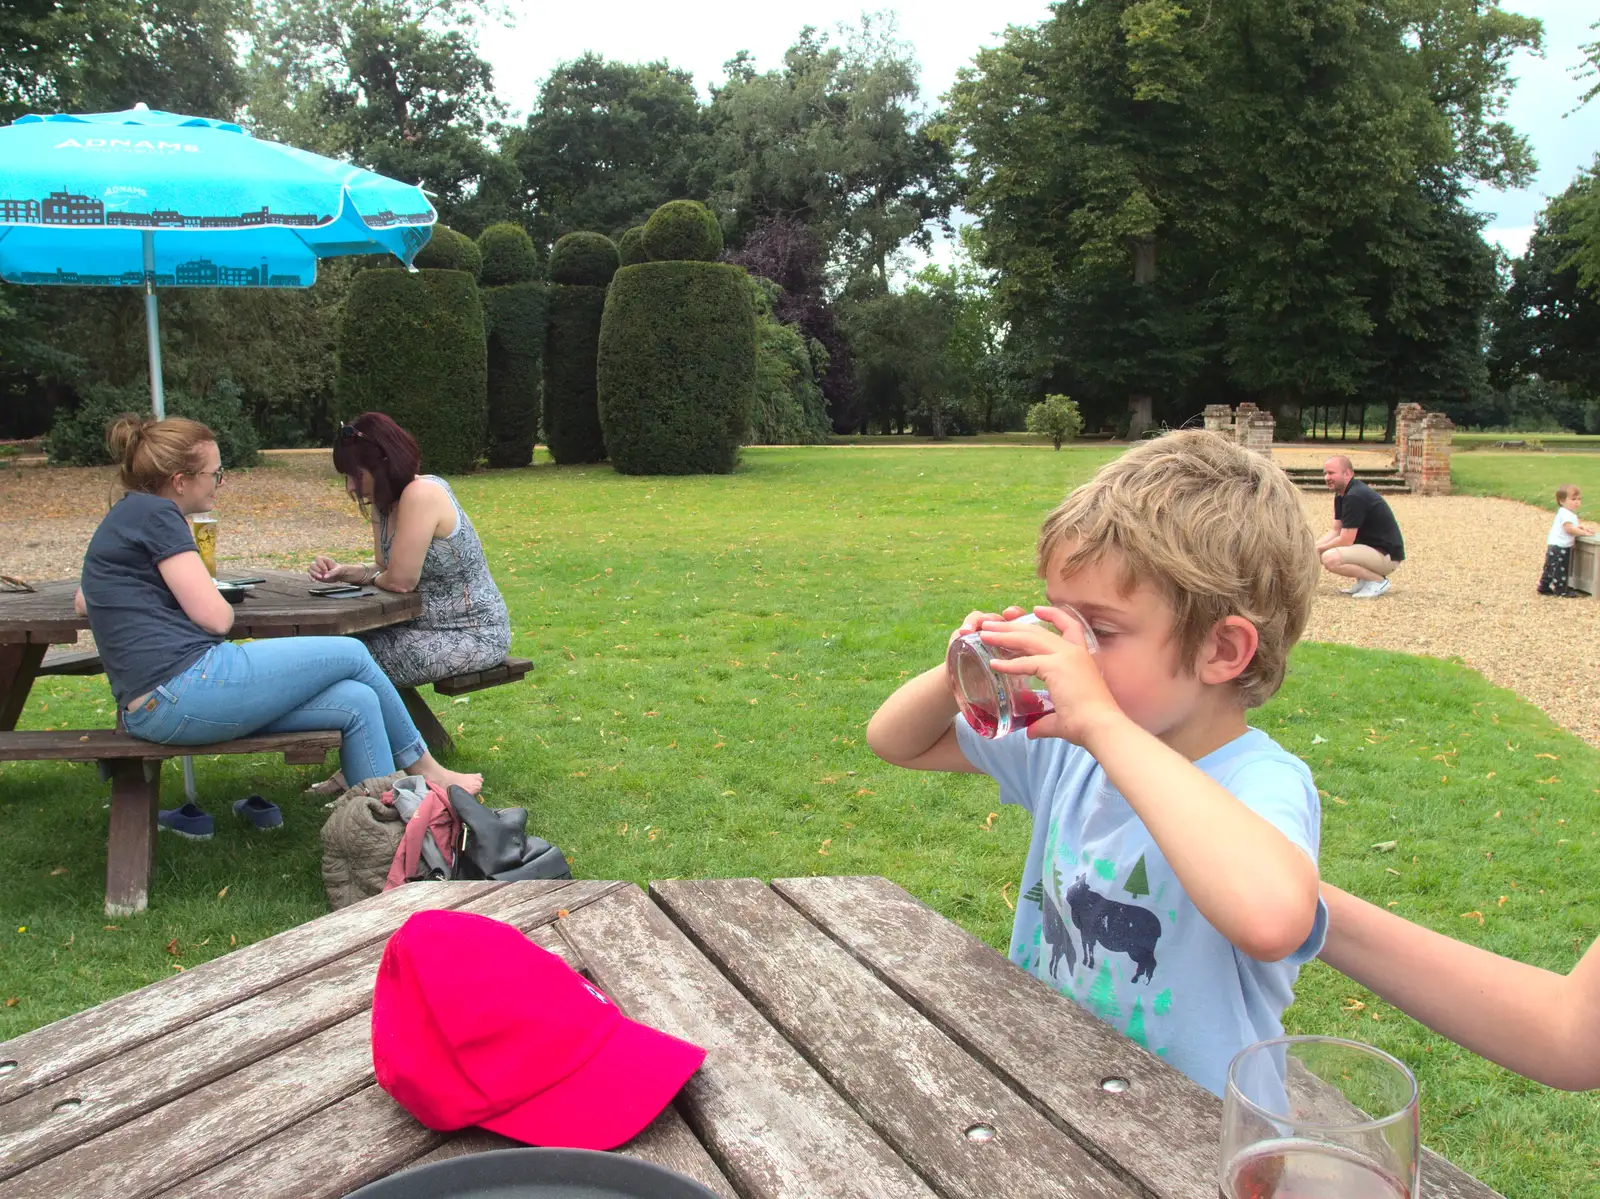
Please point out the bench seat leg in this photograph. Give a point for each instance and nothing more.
(439, 741)
(130, 852)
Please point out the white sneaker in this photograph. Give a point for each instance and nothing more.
(1353, 588)
(1371, 590)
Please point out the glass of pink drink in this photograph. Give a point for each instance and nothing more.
(1319, 1118)
(997, 704)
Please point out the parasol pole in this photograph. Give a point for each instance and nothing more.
(158, 401)
(152, 327)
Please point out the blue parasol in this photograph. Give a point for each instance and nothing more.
(150, 199)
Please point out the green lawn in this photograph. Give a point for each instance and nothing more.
(1531, 478)
(1550, 441)
(707, 653)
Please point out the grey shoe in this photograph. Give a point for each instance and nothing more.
(1371, 590)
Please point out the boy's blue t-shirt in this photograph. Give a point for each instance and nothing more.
(1103, 920)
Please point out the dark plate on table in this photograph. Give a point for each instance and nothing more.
(234, 593)
(537, 1174)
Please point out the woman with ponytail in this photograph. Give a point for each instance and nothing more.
(161, 627)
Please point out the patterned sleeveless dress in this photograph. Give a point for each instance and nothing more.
(464, 623)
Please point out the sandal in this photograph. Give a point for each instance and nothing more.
(334, 784)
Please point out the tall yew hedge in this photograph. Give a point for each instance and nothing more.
(514, 321)
(581, 265)
(412, 345)
(677, 364)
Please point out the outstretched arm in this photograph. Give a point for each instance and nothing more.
(1537, 1022)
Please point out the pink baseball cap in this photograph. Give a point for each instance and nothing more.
(472, 1023)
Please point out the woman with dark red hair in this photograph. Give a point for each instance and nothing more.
(422, 541)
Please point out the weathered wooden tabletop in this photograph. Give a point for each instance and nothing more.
(30, 622)
(859, 1044)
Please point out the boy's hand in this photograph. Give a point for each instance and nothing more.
(976, 620)
(1062, 661)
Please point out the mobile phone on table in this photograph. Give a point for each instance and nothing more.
(336, 589)
(243, 582)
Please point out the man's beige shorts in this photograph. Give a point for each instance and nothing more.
(1367, 558)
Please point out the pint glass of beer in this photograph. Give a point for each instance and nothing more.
(204, 525)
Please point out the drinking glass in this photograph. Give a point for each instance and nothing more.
(204, 526)
(996, 704)
(1319, 1118)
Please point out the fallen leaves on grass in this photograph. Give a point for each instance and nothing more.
(1474, 915)
(222, 894)
(172, 947)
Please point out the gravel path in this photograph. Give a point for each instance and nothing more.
(1466, 589)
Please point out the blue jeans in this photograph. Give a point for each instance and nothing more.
(286, 685)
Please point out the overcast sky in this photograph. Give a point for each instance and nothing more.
(701, 36)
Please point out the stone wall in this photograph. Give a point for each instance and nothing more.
(1246, 424)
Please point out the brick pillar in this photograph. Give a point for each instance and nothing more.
(1404, 416)
(1411, 465)
(1242, 416)
(1258, 436)
(1219, 419)
(1435, 436)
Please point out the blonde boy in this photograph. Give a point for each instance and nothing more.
(1171, 881)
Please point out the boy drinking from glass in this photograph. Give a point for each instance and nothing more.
(1170, 885)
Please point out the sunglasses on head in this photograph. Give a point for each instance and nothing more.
(350, 433)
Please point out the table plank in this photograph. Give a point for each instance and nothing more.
(1052, 1051)
(772, 1124)
(189, 1057)
(150, 1154)
(327, 1155)
(915, 1086)
(346, 1045)
(87, 1038)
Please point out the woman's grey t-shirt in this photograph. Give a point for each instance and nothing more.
(142, 632)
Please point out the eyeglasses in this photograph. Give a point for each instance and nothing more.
(216, 475)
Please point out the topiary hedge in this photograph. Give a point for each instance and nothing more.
(583, 260)
(509, 256)
(412, 345)
(676, 369)
(571, 417)
(448, 250)
(514, 320)
(682, 231)
(630, 247)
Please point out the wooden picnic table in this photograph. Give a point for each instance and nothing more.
(31, 622)
(859, 1044)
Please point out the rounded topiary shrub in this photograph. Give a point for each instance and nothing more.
(676, 371)
(509, 256)
(514, 320)
(682, 230)
(448, 250)
(630, 247)
(583, 260)
(572, 339)
(412, 345)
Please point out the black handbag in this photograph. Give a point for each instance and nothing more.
(495, 844)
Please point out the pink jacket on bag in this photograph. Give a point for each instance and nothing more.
(434, 816)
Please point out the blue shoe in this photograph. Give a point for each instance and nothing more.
(188, 821)
(259, 812)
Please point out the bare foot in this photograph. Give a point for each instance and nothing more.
(435, 773)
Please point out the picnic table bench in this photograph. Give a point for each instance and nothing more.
(859, 1044)
(32, 621)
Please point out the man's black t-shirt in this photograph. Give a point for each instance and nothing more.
(1368, 513)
